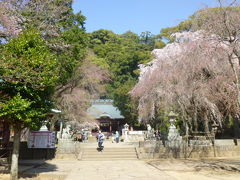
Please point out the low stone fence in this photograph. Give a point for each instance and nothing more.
(136, 136)
(149, 149)
(211, 151)
(68, 149)
(156, 149)
(226, 142)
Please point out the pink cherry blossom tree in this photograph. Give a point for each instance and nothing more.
(198, 74)
(191, 76)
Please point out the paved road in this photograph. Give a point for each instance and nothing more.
(104, 170)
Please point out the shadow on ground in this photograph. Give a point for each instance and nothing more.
(34, 169)
(233, 166)
(197, 165)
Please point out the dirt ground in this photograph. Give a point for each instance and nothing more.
(169, 169)
(204, 169)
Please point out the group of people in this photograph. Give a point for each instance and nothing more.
(101, 137)
(116, 137)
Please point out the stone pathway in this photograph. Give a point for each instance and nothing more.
(122, 169)
(104, 170)
(164, 169)
(116, 170)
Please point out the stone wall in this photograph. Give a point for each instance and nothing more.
(65, 149)
(156, 149)
(149, 149)
(136, 136)
(224, 142)
(68, 149)
(210, 151)
(31, 153)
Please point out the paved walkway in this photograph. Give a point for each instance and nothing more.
(116, 170)
(104, 170)
(68, 169)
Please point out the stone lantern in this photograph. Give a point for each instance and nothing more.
(126, 126)
(174, 137)
(172, 119)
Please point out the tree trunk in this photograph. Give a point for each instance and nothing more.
(236, 127)
(52, 127)
(206, 126)
(15, 154)
(195, 121)
(186, 128)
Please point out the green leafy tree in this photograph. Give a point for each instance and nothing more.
(102, 36)
(28, 73)
(71, 57)
(124, 102)
(122, 54)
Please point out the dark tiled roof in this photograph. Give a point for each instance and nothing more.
(104, 108)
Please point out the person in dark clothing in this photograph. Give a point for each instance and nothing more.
(100, 141)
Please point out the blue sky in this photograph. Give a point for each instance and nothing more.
(137, 15)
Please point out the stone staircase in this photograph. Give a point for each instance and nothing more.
(109, 154)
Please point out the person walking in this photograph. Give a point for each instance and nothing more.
(117, 137)
(100, 141)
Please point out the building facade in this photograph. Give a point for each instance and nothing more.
(108, 116)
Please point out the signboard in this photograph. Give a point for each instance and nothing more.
(41, 139)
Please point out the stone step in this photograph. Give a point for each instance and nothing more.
(109, 153)
(113, 153)
(110, 149)
(108, 159)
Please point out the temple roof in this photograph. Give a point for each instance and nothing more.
(104, 108)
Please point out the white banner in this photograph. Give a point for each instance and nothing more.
(41, 139)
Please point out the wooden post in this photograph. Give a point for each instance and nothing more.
(61, 128)
(110, 127)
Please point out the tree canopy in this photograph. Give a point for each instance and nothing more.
(28, 74)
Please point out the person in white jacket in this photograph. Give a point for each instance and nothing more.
(117, 136)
